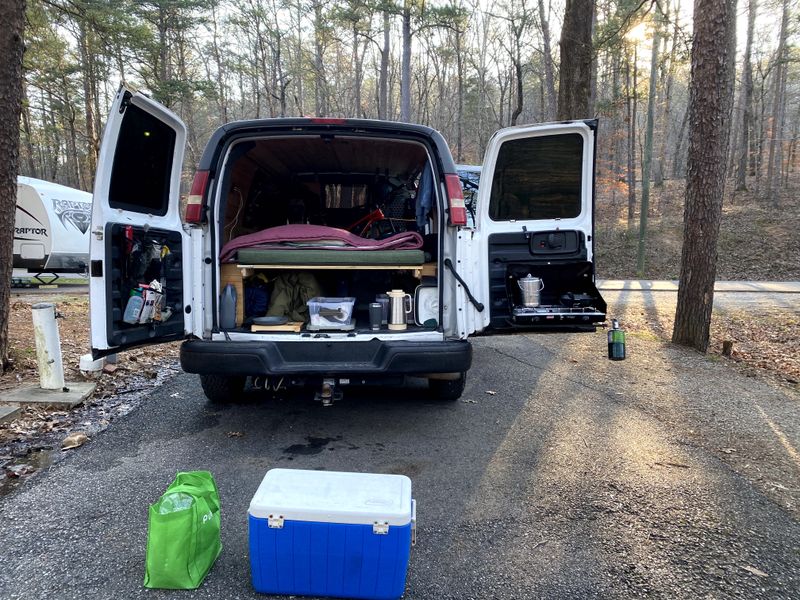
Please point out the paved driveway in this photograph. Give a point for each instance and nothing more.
(666, 475)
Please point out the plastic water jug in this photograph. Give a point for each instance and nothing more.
(227, 308)
(133, 309)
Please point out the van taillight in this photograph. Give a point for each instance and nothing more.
(455, 198)
(194, 203)
(327, 121)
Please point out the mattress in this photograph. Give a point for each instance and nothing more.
(306, 257)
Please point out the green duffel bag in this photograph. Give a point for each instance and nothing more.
(183, 538)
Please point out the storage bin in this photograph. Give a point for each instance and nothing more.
(332, 313)
(326, 533)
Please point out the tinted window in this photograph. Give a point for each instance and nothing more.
(140, 177)
(345, 196)
(538, 178)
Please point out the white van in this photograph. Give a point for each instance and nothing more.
(363, 218)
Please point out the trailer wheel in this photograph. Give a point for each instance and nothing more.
(447, 389)
(222, 388)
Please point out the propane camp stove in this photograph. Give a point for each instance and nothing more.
(556, 314)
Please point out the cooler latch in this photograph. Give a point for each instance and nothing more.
(275, 522)
(413, 522)
(380, 527)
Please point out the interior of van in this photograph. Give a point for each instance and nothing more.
(311, 223)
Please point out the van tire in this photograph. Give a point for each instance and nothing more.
(222, 388)
(447, 390)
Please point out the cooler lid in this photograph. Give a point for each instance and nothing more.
(333, 497)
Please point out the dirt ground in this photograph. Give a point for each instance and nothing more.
(759, 240)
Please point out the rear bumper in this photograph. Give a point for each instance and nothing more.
(374, 357)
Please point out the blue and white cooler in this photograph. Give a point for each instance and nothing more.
(327, 533)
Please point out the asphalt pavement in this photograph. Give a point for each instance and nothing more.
(668, 475)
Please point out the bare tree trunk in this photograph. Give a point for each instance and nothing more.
(647, 159)
(92, 141)
(518, 87)
(549, 76)
(710, 101)
(678, 161)
(222, 99)
(383, 80)
(575, 72)
(746, 100)
(12, 23)
(631, 109)
(778, 104)
(460, 105)
(320, 94)
(661, 158)
(405, 72)
(26, 129)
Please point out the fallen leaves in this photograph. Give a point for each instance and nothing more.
(74, 440)
(755, 571)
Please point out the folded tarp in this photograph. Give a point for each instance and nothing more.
(296, 237)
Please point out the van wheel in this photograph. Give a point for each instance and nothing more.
(222, 388)
(447, 389)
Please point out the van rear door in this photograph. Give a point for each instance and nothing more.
(535, 217)
(137, 234)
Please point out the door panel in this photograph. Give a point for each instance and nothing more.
(535, 217)
(137, 234)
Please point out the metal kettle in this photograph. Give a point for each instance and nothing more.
(531, 288)
(400, 305)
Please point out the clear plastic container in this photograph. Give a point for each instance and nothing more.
(333, 313)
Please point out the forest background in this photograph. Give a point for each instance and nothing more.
(464, 67)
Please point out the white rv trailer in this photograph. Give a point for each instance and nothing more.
(51, 227)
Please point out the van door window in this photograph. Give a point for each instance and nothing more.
(538, 178)
(140, 177)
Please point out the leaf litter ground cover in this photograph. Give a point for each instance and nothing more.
(34, 440)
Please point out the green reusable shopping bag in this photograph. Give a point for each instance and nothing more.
(183, 537)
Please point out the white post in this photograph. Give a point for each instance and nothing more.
(48, 347)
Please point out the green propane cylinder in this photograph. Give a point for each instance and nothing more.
(616, 342)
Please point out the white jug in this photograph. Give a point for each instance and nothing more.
(400, 305)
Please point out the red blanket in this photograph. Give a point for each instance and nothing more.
(319, 237)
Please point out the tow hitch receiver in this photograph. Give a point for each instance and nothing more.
(328, 394)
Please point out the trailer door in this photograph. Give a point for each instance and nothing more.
(137, 235)
(535, 217)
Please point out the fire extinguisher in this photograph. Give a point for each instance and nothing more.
(616, 342)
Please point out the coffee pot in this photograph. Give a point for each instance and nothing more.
(400, 305)
(531, 288)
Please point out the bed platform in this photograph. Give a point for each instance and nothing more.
(283, 258)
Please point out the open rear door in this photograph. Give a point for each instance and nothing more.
(137, 234)
(536, 217)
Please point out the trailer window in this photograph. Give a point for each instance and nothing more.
(538, 178)
(140, 177)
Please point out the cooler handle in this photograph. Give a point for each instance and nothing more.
(413, 522)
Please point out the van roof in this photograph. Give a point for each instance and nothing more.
(323, 125)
